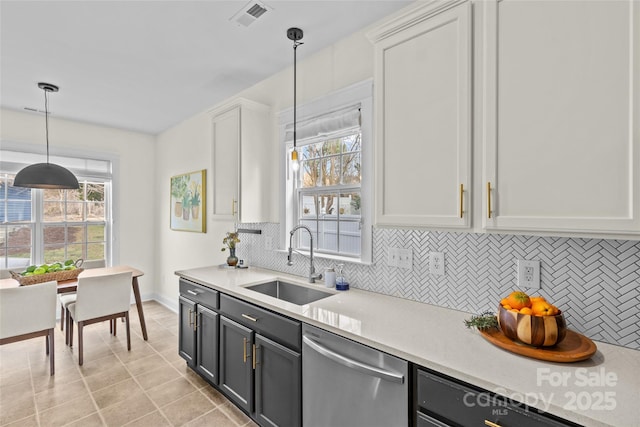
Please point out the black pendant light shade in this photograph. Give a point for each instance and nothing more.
(46, 175)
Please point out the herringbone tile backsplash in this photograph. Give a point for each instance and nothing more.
(595, 281)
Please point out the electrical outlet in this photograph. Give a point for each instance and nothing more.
(529, 274)
(436, 263)
(405, 258)
(268, 243)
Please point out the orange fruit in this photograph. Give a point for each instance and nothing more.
(526, 310)
(504, 301)
(507, 307)
(536, 298)
(543, 308)
(518, 300)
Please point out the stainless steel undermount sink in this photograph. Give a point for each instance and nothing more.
(296, 294)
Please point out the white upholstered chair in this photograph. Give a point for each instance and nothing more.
(6, 273)
(70, 297)
(98, 299)
(28, 312)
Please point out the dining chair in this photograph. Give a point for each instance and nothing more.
(28, 312)
(98, 299)
(6, 273)
(70, 297)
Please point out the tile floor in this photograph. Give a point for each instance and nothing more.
(148, 386)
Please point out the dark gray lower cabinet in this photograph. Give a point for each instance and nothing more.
(207, 343)
(186, 332)
(278, 384)
(260, 375)
(236, 363)
(198, 329)
(426, 421)
(442, 401)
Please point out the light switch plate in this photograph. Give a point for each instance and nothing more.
(405, 258)
(393, 257)
(400, 257)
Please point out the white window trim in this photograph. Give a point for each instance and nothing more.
(112, 248)
(360, 93)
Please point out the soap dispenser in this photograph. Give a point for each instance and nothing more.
(341, 282)
(329, 278)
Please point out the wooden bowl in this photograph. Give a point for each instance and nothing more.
(537, 331)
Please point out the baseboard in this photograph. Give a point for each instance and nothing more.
(171, 304)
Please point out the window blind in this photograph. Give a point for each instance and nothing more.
(13, 161)
(326, 125)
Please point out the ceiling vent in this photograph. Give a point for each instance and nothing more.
(249, 13)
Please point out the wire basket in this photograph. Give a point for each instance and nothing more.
(59, 276)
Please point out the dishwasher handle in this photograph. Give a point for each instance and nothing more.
(354, 364)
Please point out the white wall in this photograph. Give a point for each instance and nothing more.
(187, 147)
(134, 196)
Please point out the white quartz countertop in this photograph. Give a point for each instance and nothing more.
(601, 391)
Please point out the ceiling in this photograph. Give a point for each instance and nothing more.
(148, 65)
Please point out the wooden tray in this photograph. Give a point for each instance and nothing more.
(574, 348)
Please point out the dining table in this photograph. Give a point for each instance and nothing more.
(72, 286)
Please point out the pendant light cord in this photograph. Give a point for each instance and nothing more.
(46, 120)
(295, 73)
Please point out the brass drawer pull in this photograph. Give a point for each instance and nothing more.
(461, 199)
(246, 316)
(490, 424)
(489, 200)
(244, 350)
(254, 357)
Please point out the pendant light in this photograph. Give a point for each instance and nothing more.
(46, 175)
(294, 34)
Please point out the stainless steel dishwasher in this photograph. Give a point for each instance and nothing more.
(347, 384)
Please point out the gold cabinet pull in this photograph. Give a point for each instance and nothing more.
(489, 200)
(233, 207)
(461, 199)
(244, 350)
(195, 321)
(490, 424)
(246, 316)
(254, 357)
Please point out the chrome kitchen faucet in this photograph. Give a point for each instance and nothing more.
(312, 270)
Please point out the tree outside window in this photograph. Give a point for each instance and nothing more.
(329, 194)
(73, 223)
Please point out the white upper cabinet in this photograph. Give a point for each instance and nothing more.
(241, 162)
(423, 117)
(556, 101)
(560, 120)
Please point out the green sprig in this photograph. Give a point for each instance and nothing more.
(485, 320)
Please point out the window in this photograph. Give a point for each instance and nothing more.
(331, 193)
(16, 231)
(74, 223)
(38, 226)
